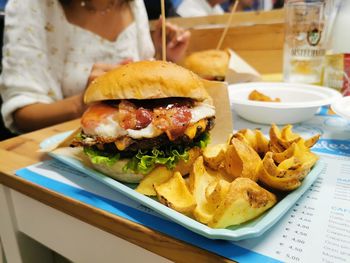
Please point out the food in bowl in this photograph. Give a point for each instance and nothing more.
(259, 96)
(299, 102)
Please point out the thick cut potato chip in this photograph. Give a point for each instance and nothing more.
(278, 143)
(271, 168)
(280, 140)
(262, 143)
(247, 136)
(288, 134)
(291, 163)
(175, 194)
(214, 155)
(286, 154)
(305, 157)
(244, 201)
(158, 176)
(241, 160)
(279, 183)
(312, 141)
(254, 139)
(199, 181)
(185, 167)
(284, 171)
(216, 193)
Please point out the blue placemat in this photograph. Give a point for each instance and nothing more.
(147, 218)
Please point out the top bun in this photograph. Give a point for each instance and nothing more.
(146, 80)
(209, 63)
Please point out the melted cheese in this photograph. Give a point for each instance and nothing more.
(191, 131)
(121, 144)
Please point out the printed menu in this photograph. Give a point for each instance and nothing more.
(317, 228)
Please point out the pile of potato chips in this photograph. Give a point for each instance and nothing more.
(224, 185)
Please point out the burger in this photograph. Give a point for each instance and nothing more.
(144, 115)
(208, 64)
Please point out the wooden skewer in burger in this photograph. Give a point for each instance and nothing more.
(143, 115)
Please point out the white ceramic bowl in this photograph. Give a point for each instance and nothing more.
(342, 107)
(299, 102)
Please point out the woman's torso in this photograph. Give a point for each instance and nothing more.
(82, 48)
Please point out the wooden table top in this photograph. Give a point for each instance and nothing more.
(22, 151)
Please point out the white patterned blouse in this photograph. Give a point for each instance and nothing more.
(46, 58)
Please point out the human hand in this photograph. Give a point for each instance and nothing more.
(98, 69)
(177, 41)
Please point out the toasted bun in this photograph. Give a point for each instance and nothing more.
(146, 80)
(208, 63)
(116, 172)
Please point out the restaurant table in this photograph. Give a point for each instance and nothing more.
(34, 218)
(76, 230)
(68, 226)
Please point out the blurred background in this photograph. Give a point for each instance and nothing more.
(175, 7)
(153, 6)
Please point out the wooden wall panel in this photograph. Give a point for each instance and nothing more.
(256, 36)
(239, 18)
(261, 45)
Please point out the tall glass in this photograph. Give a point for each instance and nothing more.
(304, 46)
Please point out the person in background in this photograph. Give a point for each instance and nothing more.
(266, 5)
(54, 48)
(250, 5)
(190, 8)
(278, 4)
(154, 9)
(2, 4)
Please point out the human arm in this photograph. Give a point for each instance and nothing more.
(32, 57)
(39, 115)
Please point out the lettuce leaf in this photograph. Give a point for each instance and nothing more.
(203, 140)
(145, 161)
(99, 157)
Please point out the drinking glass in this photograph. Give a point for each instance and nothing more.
(304, 46)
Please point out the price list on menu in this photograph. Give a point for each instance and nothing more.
(317, 228)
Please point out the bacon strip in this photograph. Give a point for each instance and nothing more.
(143, 118)
(130, 117)
(172, 120)
(127, 115)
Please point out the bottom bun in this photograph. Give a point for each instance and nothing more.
(116, 172)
